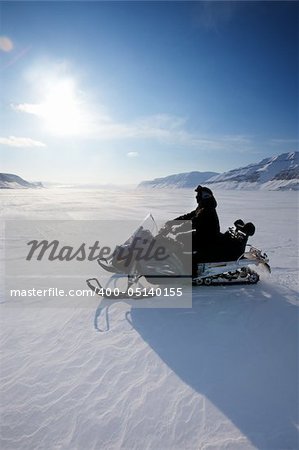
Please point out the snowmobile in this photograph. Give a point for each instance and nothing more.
(230, 261)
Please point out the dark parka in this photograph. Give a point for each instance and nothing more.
(205, 224)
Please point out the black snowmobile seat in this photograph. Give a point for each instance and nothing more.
(228, 246)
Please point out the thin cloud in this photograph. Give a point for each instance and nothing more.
(284, 141)
(29, 108)
(168, 129)
(65, 110)
(13, 141)
(132, 154)
(164, 128)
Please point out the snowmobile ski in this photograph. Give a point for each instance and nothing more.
(116, 294)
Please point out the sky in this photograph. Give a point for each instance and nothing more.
(119, 92)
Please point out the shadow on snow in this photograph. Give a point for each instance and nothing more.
(238, 348)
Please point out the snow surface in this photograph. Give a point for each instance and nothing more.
(222, 375)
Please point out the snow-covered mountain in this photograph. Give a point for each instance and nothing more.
(11, 181)
(180, 180)
(277, 172)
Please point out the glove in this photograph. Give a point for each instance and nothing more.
(165, 230)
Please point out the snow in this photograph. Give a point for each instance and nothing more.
(270, 173)
(221, 375)
(272, 185)
(180, 180)
(275, 173)
(11, 181)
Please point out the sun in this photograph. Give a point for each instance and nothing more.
(59, 103)
(62, 111)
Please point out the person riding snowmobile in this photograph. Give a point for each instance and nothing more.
(205, 223)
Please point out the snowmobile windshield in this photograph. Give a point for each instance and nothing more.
(148, 225)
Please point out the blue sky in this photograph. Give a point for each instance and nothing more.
(118, 92)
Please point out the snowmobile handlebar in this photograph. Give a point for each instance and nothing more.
(164, 231)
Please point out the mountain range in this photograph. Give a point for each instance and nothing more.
(274, 173)
(180, 180)
(11, 181)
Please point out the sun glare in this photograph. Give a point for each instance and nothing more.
(61, 109)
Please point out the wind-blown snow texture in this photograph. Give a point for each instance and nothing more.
(222, 375)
